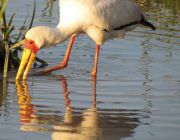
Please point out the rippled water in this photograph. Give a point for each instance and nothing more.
(136, 94)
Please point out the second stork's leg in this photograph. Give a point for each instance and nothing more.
(63, 63)
(94, 71)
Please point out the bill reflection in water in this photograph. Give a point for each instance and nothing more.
(77, 123)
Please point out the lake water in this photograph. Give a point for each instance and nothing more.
(136, 95)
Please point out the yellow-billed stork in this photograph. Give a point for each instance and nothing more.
(99, 19)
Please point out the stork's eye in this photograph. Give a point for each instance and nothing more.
(31, 42)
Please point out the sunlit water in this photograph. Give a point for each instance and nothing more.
(136, 94)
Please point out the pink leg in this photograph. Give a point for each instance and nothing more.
(93, 79)
(62, 64)
(94, 71)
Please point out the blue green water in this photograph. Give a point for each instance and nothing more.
(136, 95)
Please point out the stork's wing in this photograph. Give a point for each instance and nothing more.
(117, 13)
(105, 14)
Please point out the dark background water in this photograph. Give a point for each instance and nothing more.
(136, 94)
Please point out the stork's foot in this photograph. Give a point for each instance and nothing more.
(41, 73)
(47, 71)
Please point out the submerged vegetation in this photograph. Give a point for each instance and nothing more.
(11, 38)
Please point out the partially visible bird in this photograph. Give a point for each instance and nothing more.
(99, 19)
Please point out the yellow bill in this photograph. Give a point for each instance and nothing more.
(26, 61)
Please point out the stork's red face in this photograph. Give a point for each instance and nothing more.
(28, 56)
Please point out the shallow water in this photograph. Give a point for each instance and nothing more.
(135, 96)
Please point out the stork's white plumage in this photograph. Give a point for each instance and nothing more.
(100, 19)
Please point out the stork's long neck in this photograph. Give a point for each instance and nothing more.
(59, 34)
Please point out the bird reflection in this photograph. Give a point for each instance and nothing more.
(28, 112)
(87, 128)
(76, 124)
(24, 101)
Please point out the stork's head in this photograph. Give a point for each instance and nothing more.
(35, 39)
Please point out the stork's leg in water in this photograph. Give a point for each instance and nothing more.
(94, 71)
(63, 63)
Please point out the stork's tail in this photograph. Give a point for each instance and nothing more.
(147, 23)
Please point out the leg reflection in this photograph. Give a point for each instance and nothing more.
(68, 118)
(80, 125)
(90, 124)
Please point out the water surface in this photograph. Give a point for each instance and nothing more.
(135, 96)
